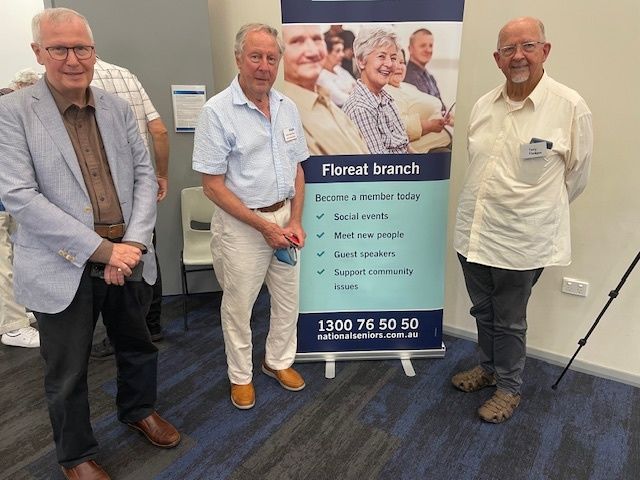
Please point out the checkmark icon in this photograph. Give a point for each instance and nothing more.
(320, 216)
(320, 253)
(320, 272)
(320, 235)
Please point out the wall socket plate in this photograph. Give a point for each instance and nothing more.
(575, 287)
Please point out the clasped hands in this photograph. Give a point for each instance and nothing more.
(124, 258)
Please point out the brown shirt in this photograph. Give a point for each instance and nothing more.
(85, 137)
(81, 125)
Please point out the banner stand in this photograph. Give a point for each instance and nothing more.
(405, 356)
(373, 267)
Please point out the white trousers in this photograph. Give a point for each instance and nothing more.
(243, 262)
(12, 315)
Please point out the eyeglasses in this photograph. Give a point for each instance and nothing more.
(510, 50)
(82, 52)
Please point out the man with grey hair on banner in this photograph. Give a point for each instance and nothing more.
(248, 145)
(78, 179)
(530, 144)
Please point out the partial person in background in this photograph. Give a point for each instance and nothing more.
(369, 106)
(249, 145)
(530, 144)
(327, 129)
(79, 181)
(15, 321)
(347, 37)
(420, 112)
(121, 82)
(333, 78)
(420, 53)
(24, 78)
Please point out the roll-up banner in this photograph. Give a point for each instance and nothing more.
(379, 126)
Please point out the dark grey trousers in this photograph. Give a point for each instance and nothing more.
(499, 299)
(65, 343)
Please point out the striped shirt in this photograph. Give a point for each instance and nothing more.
(378, 120)
(258, 156)
(123, 83)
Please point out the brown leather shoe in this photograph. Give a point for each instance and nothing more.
(89, 470)
(157, 430)
(243, 396)
(288, 378)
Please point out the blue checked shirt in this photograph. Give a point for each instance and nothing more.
(235, 139)
(423, 81)
(378, 120)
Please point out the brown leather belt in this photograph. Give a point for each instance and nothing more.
(272, 208)
(111, 232)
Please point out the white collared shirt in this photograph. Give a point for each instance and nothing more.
(513, 212)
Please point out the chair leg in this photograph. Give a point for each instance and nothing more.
(185, 292)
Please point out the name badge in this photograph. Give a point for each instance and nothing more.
(289, 134)
(533, 150)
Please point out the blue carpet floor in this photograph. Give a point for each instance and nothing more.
(370, 422)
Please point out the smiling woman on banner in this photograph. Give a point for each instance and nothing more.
(371, 108)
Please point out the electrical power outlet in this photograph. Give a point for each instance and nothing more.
(575, 287)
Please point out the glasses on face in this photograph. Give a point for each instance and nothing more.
(82, 52)
(510, 50)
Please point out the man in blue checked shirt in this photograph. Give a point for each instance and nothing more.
(248, 145)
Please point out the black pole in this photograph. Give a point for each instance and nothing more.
(583, 341)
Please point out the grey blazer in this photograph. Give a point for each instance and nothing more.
(42, 187)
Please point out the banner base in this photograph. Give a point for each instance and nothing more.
(371, 355)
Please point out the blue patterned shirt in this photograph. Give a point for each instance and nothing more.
(378, 120)
(423, 81)
(259, 157)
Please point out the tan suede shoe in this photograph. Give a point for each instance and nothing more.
(500, 407)
(243, 396)
(288, 378)
(473, 380)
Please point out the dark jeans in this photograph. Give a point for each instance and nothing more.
(65, 344)
(155, 309)
(500, 298)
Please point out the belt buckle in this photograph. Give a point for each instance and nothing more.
(114, 231)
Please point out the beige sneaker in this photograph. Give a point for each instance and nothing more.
(500, 407)
(473, 380)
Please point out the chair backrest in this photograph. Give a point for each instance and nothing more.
(196, 207)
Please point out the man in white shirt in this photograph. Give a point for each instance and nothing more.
(530, 143)
(249, 145)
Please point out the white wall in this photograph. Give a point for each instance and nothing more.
(15, 38)
(595, 45)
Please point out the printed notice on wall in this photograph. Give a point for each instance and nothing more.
(187, 101)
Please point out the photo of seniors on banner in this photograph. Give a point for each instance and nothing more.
(375, 84)
(397, 95)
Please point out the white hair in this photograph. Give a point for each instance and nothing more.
(370, 38)
(55, 15)
(241, 36)
(24, 78)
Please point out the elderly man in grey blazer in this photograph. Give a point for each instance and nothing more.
(78, 179)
